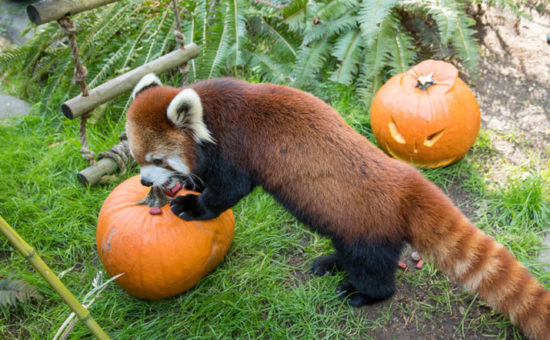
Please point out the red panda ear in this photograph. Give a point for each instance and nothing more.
(185, 108)
(148, 80)
(185, 111)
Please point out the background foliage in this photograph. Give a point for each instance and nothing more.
(299, 42)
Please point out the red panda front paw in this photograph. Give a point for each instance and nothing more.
(188, 208)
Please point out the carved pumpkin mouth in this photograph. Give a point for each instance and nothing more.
(420, 163)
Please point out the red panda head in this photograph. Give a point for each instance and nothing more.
(164, 126)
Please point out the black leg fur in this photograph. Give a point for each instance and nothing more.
(370, 268)
(220, 194)
(326, 265)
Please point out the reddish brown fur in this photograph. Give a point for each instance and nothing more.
(301, 150)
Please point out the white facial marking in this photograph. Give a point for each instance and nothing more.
(186, 109)
(156, 175)
(148, 79)
(151, 156)
(177, 164)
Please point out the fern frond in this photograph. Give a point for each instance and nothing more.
(109, 65)
(269, 69)
(14, 290)
(348, 51)
(344, 23)
(216, 51)
(45, 63)
(310, 60)
(465, 43)
(279, 37)
(334, 8)
(446, 17)
(377, 52)
(238, 29)
(154, 37)
(401, 52)
(113, 19)
(12, 56)
(298, 13)
(135, 46)
(372, 15)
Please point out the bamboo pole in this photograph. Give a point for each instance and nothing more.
(80, 105)
(30, 255)
(50, 10)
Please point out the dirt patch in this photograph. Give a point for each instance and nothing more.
(421, 310)
(513, 88)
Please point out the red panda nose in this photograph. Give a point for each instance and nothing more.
(146, 183)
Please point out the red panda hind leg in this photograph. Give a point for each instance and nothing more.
(369, 266)
(327, 264)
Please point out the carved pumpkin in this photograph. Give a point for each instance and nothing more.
(160, 255)
(427, 116)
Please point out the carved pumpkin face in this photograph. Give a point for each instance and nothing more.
(427, 116)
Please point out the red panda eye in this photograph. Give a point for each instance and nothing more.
(157, 162)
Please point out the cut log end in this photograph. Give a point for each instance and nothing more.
(82, 179)
(34, 15)
(67, 111)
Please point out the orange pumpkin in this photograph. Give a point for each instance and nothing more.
(427, 116)
(160, 255)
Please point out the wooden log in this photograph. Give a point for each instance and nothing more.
(50, 10)
(80, 105)
(93, 174)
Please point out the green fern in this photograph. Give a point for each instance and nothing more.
(14, 291)
(372, 15)
(310, 60)
(333, 27)
(356, 43)
(298, 14)
(335, 8)
(348, 52)
(464, 42)
(401, 52)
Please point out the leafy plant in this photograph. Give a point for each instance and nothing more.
(363, 42)
(13, 291)
(359, 43)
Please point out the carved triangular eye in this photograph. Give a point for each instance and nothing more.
(395, 132)
(433, 138)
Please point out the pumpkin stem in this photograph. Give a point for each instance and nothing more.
(156, 198)
(423, 82)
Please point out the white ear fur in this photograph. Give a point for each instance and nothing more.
(148, 80)
(185, 110)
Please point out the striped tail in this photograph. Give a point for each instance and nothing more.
(442, 234)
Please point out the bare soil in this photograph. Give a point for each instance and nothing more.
(513, 88)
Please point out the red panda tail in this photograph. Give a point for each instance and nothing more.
(442, 234)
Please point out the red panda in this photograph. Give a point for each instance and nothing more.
(229, 136)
